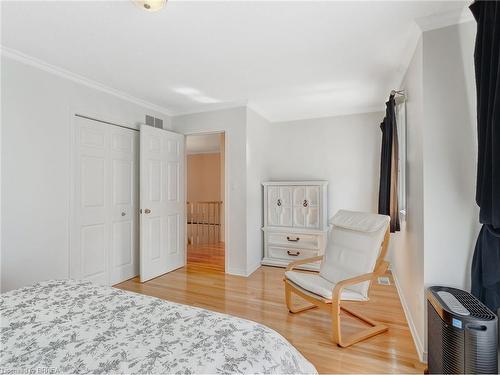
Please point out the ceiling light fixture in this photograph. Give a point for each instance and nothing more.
(150, 5)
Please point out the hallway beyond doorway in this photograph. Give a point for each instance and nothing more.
(209, 256)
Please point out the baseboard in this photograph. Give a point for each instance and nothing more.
(422, 354)
(236, 272)
(243, 272)
(253, 268)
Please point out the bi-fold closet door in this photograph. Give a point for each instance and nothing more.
(105, 212)
(110, 237)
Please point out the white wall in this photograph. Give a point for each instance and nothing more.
(450, 155)
(436, 243)
(258, 151)
(37, 109)
(233, 123)
(344, 150)
(407, 246)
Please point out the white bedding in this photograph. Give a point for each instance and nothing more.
(78, 327)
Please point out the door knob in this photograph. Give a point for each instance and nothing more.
(147, 211)
(123, 213)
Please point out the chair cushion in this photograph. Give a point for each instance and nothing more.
(315, 284)
(353, 248)
(359, 221)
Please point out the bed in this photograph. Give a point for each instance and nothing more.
(78, 327)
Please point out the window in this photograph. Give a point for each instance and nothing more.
(401, 126)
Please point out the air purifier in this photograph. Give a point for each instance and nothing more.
(462, 333)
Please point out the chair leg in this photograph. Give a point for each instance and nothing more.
(364, 334)
(336, 331)
(289, 302)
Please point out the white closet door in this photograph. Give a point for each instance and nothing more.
(124, 201)
(162, 195)
(104, 238)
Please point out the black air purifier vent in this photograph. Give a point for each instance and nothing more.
(476, 308)
(461, 333)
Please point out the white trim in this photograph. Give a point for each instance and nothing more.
(437, 21)
(202, 152)
(380, 108)
(252, 268)
(298, 182)
(29, 60)
(243, 272)
(236, 272)
(422, 353)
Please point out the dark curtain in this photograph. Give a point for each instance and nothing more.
(389, 158)
(485, 273)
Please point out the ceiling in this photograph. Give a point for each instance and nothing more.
(203, 143)
(287, 60)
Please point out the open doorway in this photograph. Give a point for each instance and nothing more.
(205, 180)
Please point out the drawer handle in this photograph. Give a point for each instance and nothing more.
(296, 239)
(306, 203)
(279, 202)
(295, 254)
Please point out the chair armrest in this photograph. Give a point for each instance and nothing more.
(352, 281)
(292, 265)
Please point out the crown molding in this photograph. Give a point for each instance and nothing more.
(63, 73)
(379, 109)
(437, 21)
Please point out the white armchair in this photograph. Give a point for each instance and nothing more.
(354, 256)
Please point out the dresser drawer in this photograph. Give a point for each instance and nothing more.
(290, 254)
(307, 241)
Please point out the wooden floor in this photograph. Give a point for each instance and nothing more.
(260, 298)
(207, 256)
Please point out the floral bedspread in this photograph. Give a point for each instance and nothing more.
(73, 326)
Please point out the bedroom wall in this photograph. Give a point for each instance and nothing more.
(259, 149)
(233, 123)
(436, 243)
(37, 109)
(407, 246)
(450, 154)
(345, 150)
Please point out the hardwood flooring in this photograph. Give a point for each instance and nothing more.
(260, 298)
(207, 256)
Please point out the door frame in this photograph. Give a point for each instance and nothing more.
(74, 113)
(226, 189)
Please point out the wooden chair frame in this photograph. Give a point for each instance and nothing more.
(334, 305)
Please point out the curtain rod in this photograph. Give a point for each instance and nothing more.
(399, 96)
(398, 92)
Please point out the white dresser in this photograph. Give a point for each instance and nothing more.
(295, 221)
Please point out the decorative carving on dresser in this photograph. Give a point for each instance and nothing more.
(295, 221)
